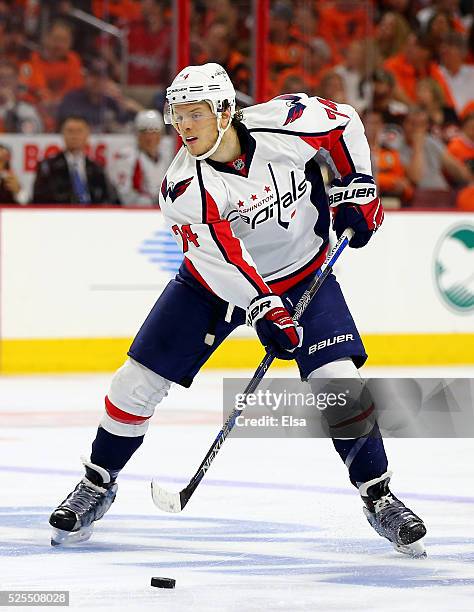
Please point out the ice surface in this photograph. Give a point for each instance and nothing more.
(275, 525)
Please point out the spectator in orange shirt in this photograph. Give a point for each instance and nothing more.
(220, 48)
(345, 21)
(389, 172)
(46, 12)
(60, 67)
(411, 65)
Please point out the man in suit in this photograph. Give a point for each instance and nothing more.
(70, 177)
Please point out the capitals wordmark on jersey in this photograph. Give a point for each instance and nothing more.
(273, 201)
(262, 228)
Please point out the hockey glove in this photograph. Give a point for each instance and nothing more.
(274, 326)
(354, 203)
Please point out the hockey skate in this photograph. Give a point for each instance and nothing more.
(391, 518)
(74, 518)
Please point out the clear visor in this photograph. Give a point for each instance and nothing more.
(175, 114)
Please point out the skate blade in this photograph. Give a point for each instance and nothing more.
(59, 537)
(415, 550)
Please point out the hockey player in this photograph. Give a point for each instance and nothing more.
(245, 200)
(139, 171)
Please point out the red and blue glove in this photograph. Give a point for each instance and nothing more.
(274, 326)
(354, 203)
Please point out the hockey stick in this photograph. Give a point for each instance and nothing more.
(175, 502)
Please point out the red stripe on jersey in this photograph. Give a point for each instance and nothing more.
(341, 160)
(122, 417)
(283, 285)
(192, 270)
(325, 141)
(230, 244)
(212, 211)
(331, 142)
(137, 179)
(233, 250)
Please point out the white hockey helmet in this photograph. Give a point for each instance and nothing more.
(207, 83)
(149, 121)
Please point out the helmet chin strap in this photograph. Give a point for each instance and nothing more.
(220, 133)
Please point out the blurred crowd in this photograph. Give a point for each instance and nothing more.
(407, 66)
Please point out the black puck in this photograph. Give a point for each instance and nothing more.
(163, 583)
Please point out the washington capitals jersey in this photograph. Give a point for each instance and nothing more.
(260, 224)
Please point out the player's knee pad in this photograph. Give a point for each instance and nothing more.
(346, 405)
(341, 368)
(133, 395)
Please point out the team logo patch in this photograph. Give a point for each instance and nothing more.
(238, 164)
(296, 108)
(174, 190)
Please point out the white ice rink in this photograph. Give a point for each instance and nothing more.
(275, 525)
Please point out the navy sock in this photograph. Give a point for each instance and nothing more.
(365, 457)
(112, 452)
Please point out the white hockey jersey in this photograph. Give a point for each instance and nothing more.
(260, 223)
(137, 177)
